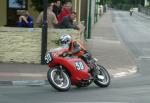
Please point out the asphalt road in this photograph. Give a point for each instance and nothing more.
(134, 32)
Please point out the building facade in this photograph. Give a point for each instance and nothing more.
(90, 14)
(146, 2)
(9, 11)
(87, 12)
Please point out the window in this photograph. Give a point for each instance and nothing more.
(17, 4)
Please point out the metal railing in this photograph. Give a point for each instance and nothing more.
(144, 10)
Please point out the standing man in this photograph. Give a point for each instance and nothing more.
(51, 17)
(131, 11)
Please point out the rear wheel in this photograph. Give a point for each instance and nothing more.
(103, 79)
(58, 80)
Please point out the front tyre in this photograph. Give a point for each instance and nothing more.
(58, 80)
(103, 79)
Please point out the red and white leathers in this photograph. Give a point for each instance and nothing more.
(76, 48)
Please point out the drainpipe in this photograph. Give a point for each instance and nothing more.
(89, 19)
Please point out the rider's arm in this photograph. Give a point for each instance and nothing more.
(76, 48)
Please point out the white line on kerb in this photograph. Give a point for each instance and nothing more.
(23, 74)
(30, 75)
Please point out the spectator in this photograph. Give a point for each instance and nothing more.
(66, 10)
(57, 7)
(25, 20)
(51, 17)
(67, 22)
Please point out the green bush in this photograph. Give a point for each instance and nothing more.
(126, 7)
(122, 6)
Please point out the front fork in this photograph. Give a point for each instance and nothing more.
(93, 63)
(60, 71)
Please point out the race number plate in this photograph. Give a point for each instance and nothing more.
(48, 58)
(79, 66)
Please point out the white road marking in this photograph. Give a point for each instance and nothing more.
(143, 57)
(122, 74)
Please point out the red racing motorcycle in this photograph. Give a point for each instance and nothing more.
(66, 70)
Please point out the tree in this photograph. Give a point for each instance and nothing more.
(125, 4)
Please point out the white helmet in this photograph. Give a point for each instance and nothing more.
(65, 39)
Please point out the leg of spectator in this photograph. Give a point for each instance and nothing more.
(30, 25)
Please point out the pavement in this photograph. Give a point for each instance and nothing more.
(105, 45)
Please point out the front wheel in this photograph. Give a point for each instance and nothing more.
(103, 79)
(59, 80)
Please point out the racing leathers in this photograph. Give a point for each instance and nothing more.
(77, 49)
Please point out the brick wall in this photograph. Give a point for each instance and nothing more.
(23, 45)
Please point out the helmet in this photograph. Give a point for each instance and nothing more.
(65, 39)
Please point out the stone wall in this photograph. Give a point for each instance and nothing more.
(23, 45)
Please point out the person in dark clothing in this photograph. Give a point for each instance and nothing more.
(57, 7)
(67, 22)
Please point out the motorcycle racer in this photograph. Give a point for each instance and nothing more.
(75, 48)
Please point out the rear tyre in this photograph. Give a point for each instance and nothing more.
(103, 79)
(60, 82)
